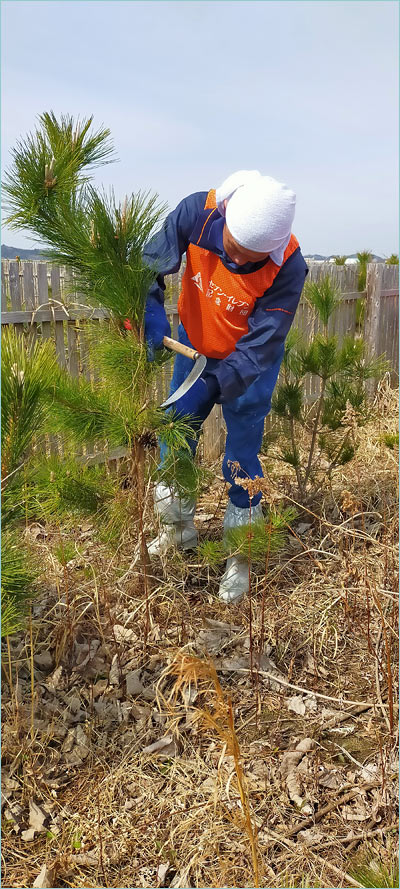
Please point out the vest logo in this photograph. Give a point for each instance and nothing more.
(214, 290)
(198, 282)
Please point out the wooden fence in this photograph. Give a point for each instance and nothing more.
(41, 299)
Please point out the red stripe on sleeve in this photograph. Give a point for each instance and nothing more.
(277, 309)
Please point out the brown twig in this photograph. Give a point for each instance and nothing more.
(342, 717)
(294, 847)
(250, 596)
(263, 596)
(138, 463)
(251, 831)
(100, 837)
(332, 805)
(32, 673)
(307, 691)
(389, 677)
(367, 834)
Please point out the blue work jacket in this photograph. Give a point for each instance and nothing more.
(260, 347)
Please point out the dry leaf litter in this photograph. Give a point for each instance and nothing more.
(103, 785)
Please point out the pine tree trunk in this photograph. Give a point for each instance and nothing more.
(296, 468)
(138, 465)
(314, 432)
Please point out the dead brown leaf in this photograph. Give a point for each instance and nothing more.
(37, 817)
(45, 879)
(290, 772)
(165, 747)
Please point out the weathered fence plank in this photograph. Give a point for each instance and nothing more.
(15, 291)
(29, 287)
(373, 306)
(73, 353)
(43, 287)
(46, 327)
(66, 314)
(15, 286)
(4, 289)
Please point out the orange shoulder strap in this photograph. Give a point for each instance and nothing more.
(211, 201)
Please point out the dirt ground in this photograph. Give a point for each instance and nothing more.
(133, 764)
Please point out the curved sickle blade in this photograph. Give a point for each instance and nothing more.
(194, 375)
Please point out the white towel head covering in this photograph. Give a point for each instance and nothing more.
(259, 212)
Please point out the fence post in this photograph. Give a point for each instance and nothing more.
(373, 305)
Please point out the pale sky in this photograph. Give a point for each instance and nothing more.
(306, 92)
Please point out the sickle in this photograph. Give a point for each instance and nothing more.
(195, 373)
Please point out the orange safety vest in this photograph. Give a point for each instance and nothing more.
(214, 303)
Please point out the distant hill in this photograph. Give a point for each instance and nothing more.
(13, 252)
(318, 257)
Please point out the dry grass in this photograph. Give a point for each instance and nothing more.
(120, 815)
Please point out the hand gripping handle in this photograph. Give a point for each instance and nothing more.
(181, 348)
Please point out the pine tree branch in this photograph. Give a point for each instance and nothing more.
(332, 465)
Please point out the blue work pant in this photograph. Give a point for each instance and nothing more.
(244, 417)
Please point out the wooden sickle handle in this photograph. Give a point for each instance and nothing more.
(179, 347)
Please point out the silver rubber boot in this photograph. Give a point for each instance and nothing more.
(176, 516)
(235, 580)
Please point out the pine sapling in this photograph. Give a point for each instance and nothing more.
(27, 374)
(101, 241)
(363, 257)
(341, 405)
